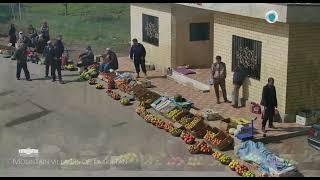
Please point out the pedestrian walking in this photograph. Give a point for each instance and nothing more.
(110, 61)
(49, 55)
(21, 56)
(12, 36)
(138, 54)
(56, 63)
(219, 74)
(269, 102)
(239, 76)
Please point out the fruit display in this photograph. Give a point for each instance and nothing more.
(210, 136)
(184, 120)
(160, 125)
(127, 160)
(99, 86)
(168, 108)
(188, 138)
(204, 148)
(194, 149)
(168, 127)
(217, 155)
(70, 67)
(156, 121)
(173, 112)
(125, 101)
(233, 164)
(151, 96)
(240, 169)
(176, 162)
(145, 105)
(115, 96)
(176, 132)
(194, 124)
(92, 81)
(200, 133)
(248, 174)
(148, 118)
(225, 159)
(216, 141)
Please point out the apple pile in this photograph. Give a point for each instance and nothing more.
(217, 155)
(160, 125)
(240, 169)
(148, 118)
(233, 164)
(216, 141)
(194, 149)
(168, 127)
(209, 136)
(204, 148)
(188, 138)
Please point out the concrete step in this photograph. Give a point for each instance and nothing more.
(182, 79)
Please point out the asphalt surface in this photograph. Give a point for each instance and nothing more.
(74, 120)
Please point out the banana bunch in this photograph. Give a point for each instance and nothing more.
(173, 113)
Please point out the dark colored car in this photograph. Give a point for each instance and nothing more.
(314, 136)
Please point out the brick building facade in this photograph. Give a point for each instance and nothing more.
(290, 48)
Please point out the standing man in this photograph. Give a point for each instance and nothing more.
(21, 56)
(239, 76)
(110, 61)
(218, 73)
(49, 55)
(32, 34)
(56, 64)
(59, 47)
(138, 54)
(269, 101)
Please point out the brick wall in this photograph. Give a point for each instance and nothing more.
(274, 58)
(158, 55)
(303, 88)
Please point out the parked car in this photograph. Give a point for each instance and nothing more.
(314, 136)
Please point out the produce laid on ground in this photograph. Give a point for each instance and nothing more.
(184, 120)
(176, 132)
(92, 81)
(225, 159)
(148, 118)
(125, 101)
(127, 160)
(188, 138)
(217, 155)
(216, 141)
(194, 149)
(70, 67)
(168, 127)
(248, 174)
(194, 124)
(99, 86)
(240, 169)
(210, 136)
(233, 164)
(160, 125)
(204, 148)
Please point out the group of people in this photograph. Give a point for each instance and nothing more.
(52, 52)
(268, 99)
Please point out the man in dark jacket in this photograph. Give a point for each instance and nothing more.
(110, 61)
(45, 31)
(87, 58)
(49, 55)
(12, 35)
(21, 57)
(269, 101)
(56, 64)
(219, 74)
(40, 44)
(32, 35)
(239, 76)
(138, 54)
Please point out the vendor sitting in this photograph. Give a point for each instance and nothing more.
(86, 59)
(110, 61)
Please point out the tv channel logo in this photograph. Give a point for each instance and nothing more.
(271, 16)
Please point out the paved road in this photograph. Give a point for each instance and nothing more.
(78, 121)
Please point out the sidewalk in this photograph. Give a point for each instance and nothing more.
(207, 100)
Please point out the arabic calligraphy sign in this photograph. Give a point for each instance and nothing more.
(150, 29)
(247, 52)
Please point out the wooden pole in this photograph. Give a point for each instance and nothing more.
(20, 11)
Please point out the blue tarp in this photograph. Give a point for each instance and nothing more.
(256, 152)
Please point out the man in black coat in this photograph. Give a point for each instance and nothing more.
(21, 57)
(269, 101)
(138, 54)
(56, 65)
(49, 55)
(239, 76)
